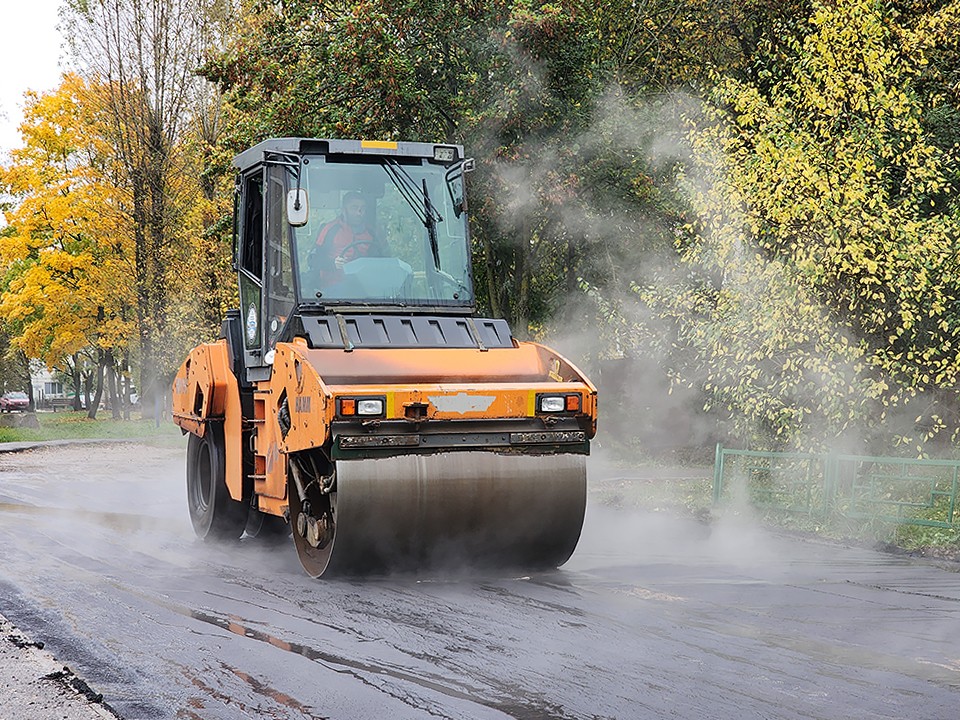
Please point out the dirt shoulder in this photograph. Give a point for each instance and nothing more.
(35, 686)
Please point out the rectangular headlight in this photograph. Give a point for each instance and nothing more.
(370, 406)
(552, 403)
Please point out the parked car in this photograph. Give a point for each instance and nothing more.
(12, 401)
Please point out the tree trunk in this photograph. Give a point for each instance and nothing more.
(88, 378)
(148, 377)
(24, 364)
(571, 267)
(95, 405)
(112, 387)
(493, 283)
(519, 303)
(77, 384)
(125, 385)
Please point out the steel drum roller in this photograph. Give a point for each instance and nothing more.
(475, 509)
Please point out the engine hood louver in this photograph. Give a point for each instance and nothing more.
(410, 331)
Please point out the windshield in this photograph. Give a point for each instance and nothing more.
(382, 232)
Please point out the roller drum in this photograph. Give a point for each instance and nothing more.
(473, 509)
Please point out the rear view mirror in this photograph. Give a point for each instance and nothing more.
(454, 178)
(297, 207)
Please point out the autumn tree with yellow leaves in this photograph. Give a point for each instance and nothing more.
(68, 260)
(69, 255)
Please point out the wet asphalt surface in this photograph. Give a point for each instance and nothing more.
(654, 616)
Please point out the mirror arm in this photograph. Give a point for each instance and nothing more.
(296, 203)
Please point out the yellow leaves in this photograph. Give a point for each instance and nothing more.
(837, 285)
(64, 259)
(906, 319)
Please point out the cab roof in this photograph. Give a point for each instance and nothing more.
(316, 146)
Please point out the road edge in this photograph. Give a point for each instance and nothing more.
(23, 446)
(34, 684)
(37, 687)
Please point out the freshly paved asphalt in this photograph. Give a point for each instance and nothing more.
(654, 616)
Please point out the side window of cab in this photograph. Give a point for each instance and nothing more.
(250, 264)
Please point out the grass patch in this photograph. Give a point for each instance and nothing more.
(915, 537)
(70, 425)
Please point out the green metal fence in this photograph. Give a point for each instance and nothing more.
(916, 492)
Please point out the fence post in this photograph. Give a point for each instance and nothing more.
(830, 471)
(717, 474)
(953, 497)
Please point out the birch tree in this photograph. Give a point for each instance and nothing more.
(145, 53)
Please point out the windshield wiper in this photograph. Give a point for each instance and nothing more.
(431, 225)
(419, 201)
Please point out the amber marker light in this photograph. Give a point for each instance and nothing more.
(348, 406)
(573, 403)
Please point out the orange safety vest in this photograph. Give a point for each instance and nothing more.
(336, 236)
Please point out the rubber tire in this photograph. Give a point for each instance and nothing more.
(214, 514)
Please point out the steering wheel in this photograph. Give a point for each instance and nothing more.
(352, 246)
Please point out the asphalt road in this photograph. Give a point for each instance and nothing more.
(653, 617)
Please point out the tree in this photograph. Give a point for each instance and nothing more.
(515, 82)
(823, 263)
(68, 257)
(144, 55)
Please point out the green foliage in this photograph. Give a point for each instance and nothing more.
(376, 69)
(824, 254)
(518, 83)
(660, 46)
(914, 537)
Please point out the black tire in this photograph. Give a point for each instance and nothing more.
(214, 514)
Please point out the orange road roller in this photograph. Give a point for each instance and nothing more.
(355, 400)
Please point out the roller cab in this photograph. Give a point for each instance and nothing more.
(355, 400)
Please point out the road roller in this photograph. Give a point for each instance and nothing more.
(355, 400)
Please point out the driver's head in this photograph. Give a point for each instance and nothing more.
(354, 208)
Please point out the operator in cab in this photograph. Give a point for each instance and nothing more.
(347, 237)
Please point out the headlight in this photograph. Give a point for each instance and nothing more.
(354, 406)
(552, 403)
(568, 403)
(370, 407)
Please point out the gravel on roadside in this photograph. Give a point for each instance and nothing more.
(34, 686)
